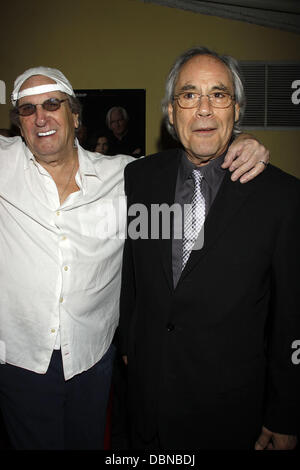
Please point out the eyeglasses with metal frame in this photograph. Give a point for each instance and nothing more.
(27, 109)
(191, 99)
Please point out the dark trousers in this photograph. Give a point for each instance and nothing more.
(44, 411)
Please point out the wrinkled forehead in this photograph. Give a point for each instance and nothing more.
(204, 68)
(36, 81)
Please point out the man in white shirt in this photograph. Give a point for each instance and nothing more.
(62, 212)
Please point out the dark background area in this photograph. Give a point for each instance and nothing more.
(96, 103)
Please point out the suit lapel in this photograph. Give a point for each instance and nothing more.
(164, 193)
(230, 198)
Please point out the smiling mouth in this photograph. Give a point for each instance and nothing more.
(46, 134)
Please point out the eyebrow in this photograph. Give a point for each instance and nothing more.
(219, 86)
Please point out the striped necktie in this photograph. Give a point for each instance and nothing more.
(194, 218)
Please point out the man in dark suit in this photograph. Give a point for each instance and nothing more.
(209, 332)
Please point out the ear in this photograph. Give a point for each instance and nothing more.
(236, 112)
(171, 113)
(76, 120)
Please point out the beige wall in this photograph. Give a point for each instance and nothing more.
(129, 44)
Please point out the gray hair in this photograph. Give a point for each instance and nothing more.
(230, 63)
(116, 108)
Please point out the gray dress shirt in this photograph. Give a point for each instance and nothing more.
(212, 178)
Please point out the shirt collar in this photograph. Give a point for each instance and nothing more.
(210, 171)
(86, 166)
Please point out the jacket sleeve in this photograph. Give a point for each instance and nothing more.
(283, 384)
(127, 297)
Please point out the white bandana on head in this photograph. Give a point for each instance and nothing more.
(61, 83)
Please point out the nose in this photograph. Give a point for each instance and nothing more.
(40, 116)
(204, 107)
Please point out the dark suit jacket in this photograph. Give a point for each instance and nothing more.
(210, 361)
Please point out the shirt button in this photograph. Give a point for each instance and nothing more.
(57, 212)
(52, 330)
(66, 268)
(61, 299)
(63, 237)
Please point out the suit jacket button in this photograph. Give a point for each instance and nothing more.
(170, 327)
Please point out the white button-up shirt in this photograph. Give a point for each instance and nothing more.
(60, 265)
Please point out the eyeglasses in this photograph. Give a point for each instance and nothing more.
(217, 99)
(52, 104)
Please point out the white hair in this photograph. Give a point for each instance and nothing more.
(116, 108)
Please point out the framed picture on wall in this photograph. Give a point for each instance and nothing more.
(113, 116)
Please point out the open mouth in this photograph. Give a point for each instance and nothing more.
(46, 134)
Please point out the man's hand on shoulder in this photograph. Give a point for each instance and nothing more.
(269, 440)
(246, 158)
